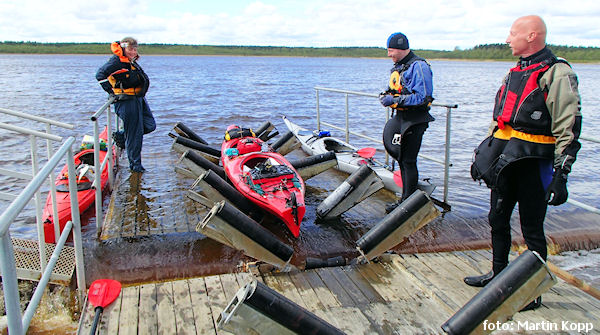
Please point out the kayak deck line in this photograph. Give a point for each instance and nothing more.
(407, 293)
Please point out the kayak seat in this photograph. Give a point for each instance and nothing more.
(261, 172)
(86, 185)
(335, 146)
(87, 158)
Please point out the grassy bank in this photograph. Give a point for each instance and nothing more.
(480, 52)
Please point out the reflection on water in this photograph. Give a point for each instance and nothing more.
(199, 91)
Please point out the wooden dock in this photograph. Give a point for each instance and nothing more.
(402, 294)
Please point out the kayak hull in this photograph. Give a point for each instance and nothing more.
(346, 154)
(266, 178)
(85, 195)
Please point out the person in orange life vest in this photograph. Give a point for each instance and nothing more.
(409, 94)
(122, 77)
(531, 145)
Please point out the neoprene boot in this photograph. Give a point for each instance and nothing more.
(479, 281)
(536, 303)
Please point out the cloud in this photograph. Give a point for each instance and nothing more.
(436, 24)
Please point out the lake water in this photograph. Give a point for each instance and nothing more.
(210, 92)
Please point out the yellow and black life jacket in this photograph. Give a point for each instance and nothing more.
(129, 80)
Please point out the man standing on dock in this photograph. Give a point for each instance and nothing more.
(409, 94)
(532, 143)
(123, 78)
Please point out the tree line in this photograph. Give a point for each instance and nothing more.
(497, 51)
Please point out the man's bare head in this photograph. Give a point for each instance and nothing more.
(527, 36)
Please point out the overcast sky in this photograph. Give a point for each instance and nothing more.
(437, 24)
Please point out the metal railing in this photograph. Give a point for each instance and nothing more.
(581, 204)
(17, 323)
(446, 162)
(108, 159)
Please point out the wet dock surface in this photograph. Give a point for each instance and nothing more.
(149, 234)
(402, 294)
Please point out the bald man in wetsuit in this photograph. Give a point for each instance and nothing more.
(532, 144)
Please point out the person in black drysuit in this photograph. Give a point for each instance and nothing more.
(122, 77)
(409, 94)
(531, 145)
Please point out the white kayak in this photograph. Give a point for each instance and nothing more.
(349, 157)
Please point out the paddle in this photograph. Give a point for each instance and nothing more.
(101, 294)
(367, 153)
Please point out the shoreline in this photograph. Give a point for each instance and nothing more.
(298, 56)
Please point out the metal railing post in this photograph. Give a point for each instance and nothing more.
(347, 120)
(76, 219)
(10, 286)
(52, 184)
(38, 205)
(318, 112)
(97, 175)
(447, 152)
(109, 152)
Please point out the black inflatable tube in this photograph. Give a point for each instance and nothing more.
(311, 160)
(261, 131)
(282, 140)
(392, 221)
(358, 176)
(254, 231)
(204, 163)
(197, 146)
(288, 314)
(191, 134)
(229, 192)
(493, 294)
(313, 263)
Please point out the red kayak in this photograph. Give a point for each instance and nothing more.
(263, 176)
(84, 166)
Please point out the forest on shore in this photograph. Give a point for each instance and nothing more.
(498, 51)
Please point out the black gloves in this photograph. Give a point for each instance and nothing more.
(557, 193)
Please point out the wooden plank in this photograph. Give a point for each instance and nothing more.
(353, 291)
(325, 296)
(428, 277)
(184, 315)
(416, 294)
(397, 318)
(334, 286)
(564, 297)
(109, 323)
(128, 320)
(203, 318)
(165, 311)
(244, 278)
(350, 320)
(216, 297)
(471, 263)
(453, 274)
(374, 274)
(308, 295)
(363, 285)
(87, 317)
(230, 285)
(284, 285)
(147, 315)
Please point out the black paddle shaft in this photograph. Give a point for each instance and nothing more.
(98, 310)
